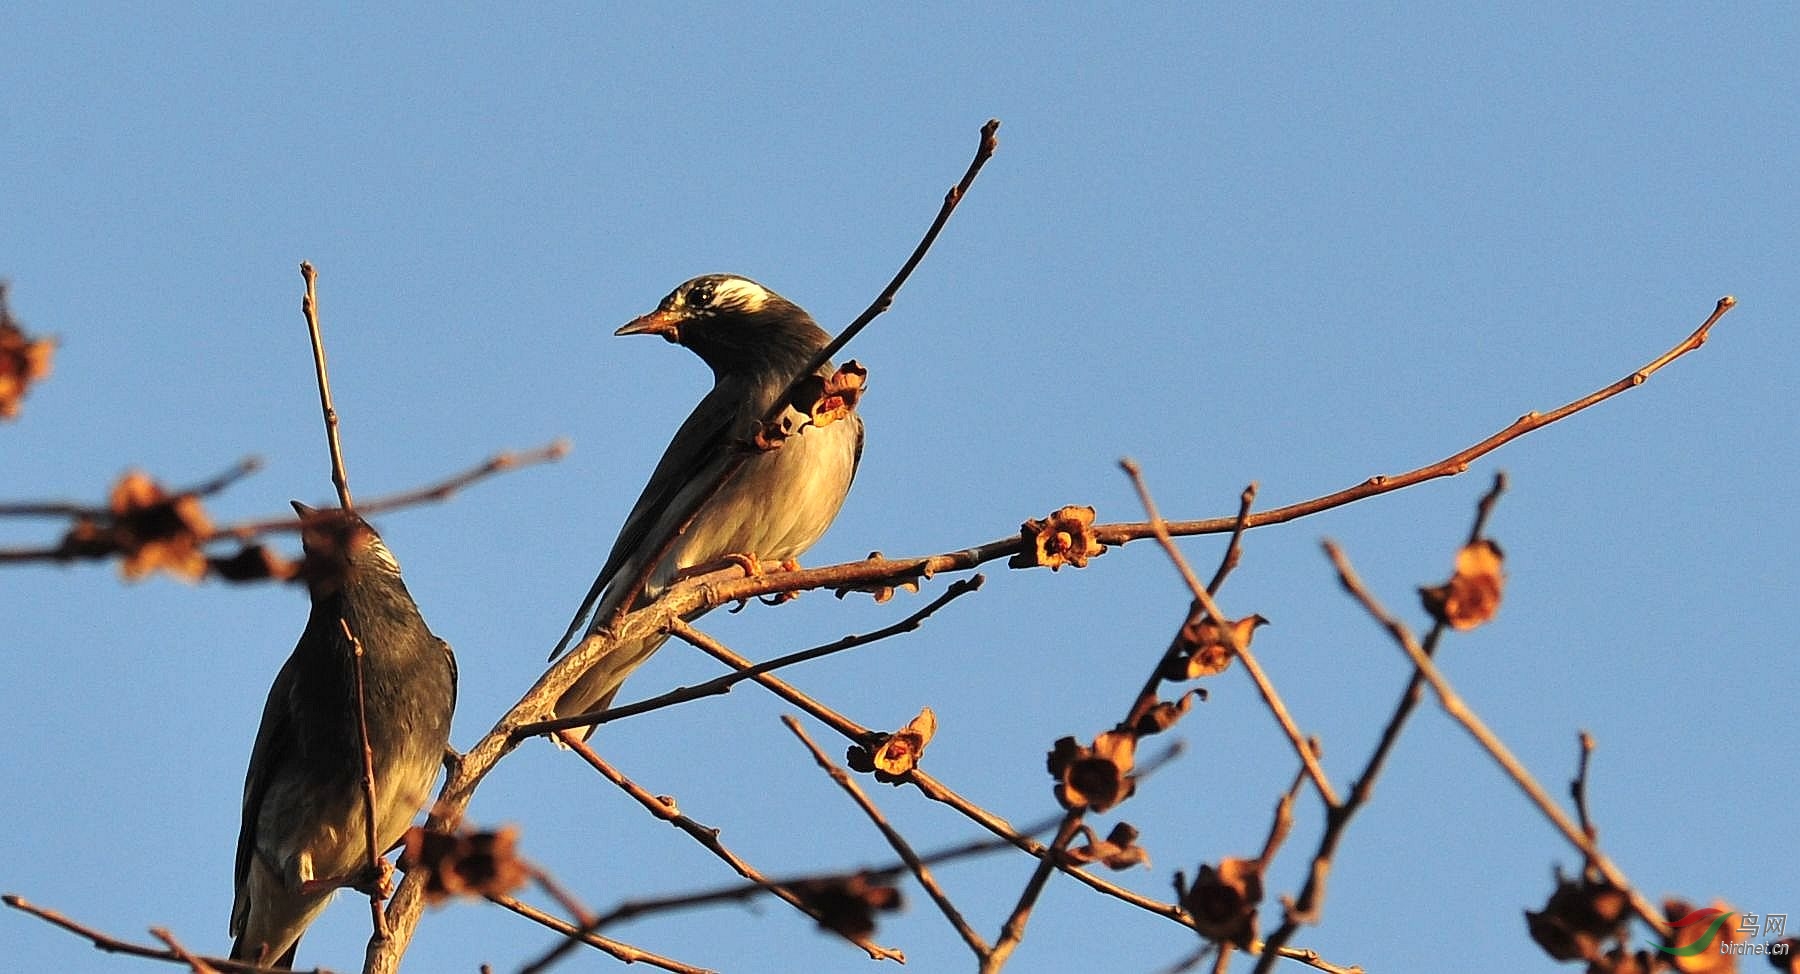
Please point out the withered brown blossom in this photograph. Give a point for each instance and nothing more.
(1472, 595)
(1164, 713)
(1223, 900)
(1202, 649)
(153, 530)
(895, 754)
(465, 864)
(1066, 537)
(1095, 777)
(1578, 919)
(23, 360)
(847, 904)
(1119, 850)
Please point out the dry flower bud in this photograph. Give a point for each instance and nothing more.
(1164, 713)
(847, 905)
(1096, 777)
(901, 751)
(1223, 901)
(1472, 595)
(1578, 919)
(1119, 850)
(838, 394)
(255, 563)
(1202, 649)
(467, 864)
(23, 360)
(1064, 538)
(156, 531)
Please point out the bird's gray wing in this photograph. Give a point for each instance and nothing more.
(267, 757)
(698, 449)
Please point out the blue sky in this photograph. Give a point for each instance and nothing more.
(1289, 245)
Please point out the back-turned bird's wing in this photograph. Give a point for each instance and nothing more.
(267, 759)
(687, 466)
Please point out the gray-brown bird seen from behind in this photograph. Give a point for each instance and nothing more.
(303, 835)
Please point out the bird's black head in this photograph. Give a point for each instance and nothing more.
(734, 324)
(342, 550)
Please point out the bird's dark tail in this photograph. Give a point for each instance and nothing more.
(253, 954)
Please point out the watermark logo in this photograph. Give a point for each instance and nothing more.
(1705, 925)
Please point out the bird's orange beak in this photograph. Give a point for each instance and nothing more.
(662, 322)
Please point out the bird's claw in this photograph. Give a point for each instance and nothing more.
(377, 881)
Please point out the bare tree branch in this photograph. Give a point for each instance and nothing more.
(1460, 712)
(723, 684)
(114, 945)
(901, 847)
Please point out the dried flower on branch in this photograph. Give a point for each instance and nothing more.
(1472, 595)
(1119, 850)
(467, 864)
(1064, 538)
(847, 905)
(151, 529)
(1202, 649)
(1223, 900)
(1097, 777)
(897, 753)
(1579, 918)
(23, 360)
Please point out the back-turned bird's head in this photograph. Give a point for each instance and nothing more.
(734, 324)
(344, 554)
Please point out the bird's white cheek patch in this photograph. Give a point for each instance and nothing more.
(383, 555)
(739, 293)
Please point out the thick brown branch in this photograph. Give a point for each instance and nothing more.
(724, 683)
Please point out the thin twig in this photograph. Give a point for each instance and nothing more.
(70, 509)
(498, 463)
(1264, 686)
(197, 965)
(309, 306)
(1012, 932)
(723, 684)
(1578, 788)
(1282, 823)
(377, 865)
(1497, 749)
(244, 531)
(617, 949)
(113, 945)
(1234, 551)
(1304, 908)
(632, 909)
(984, 151)
(901, 847)
(706, 836)
(441, 490)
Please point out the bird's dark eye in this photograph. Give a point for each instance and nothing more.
(700, 295)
